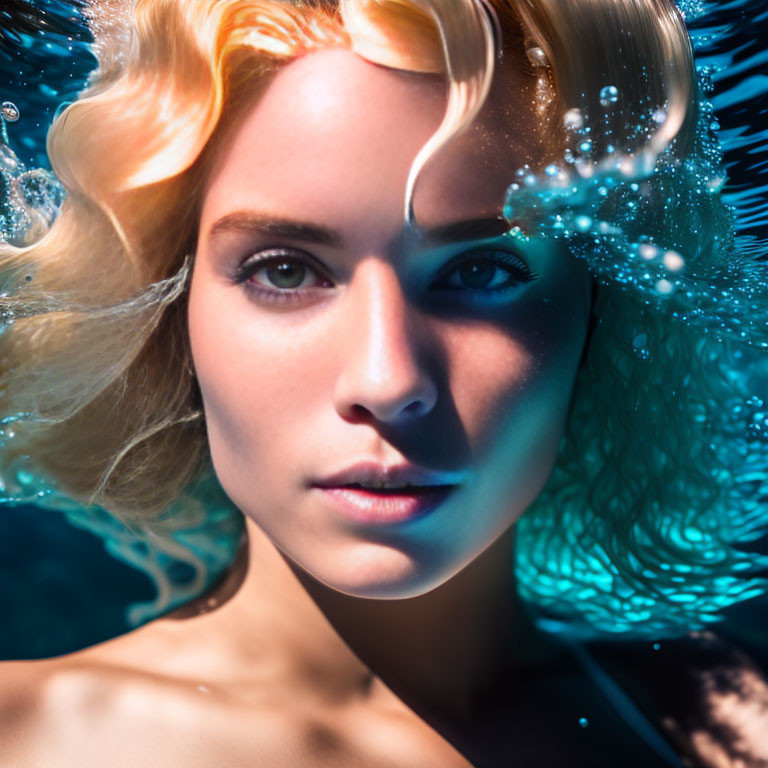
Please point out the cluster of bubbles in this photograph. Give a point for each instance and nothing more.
(691, 9)
(596, 204)
(30, 200)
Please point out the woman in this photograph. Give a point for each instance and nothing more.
(297, 221)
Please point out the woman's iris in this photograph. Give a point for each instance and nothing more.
(286, 274)
(477, 273)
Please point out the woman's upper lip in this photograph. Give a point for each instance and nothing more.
(377, 475)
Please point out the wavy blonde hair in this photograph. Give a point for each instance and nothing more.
(97, 354)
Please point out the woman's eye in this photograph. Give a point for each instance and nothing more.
(280, 274)
(283, 274)
(486, 270)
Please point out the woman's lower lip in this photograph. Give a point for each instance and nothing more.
(368, 506)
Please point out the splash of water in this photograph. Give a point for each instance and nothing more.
(30, 200)
(596, 205)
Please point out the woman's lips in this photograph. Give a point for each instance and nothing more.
(365, 505)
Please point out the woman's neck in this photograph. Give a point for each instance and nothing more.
(443, 653)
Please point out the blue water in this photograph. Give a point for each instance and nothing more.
(45, 60)
(59, 587)
(730, 42)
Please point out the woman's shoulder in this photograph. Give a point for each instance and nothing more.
(125, 702)
(163, 696)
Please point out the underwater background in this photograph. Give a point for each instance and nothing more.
(60, 587)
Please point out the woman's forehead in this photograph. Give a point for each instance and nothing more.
(334, 128)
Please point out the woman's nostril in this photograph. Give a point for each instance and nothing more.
(418, 408)
(376, 400)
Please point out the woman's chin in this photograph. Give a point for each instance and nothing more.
(376, 571)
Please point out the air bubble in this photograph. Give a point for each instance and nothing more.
(537, 57)
(9, 111)
(583, 223)
(609, 95)
(573, 119)
(673, 261)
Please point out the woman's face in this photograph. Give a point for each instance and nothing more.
(332, 344)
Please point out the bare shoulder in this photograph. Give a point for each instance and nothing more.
(20, 691)
(28, 690)
(122, 703)
(158, 697)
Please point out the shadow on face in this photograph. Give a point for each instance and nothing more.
(331, 344)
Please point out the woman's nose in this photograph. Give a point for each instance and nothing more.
(384, 371)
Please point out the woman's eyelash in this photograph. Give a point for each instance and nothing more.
(293, 266)
(482, 262)
(275, 258)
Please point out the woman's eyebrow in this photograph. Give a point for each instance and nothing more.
(304, 231)
(468, 229)
(252, 221)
